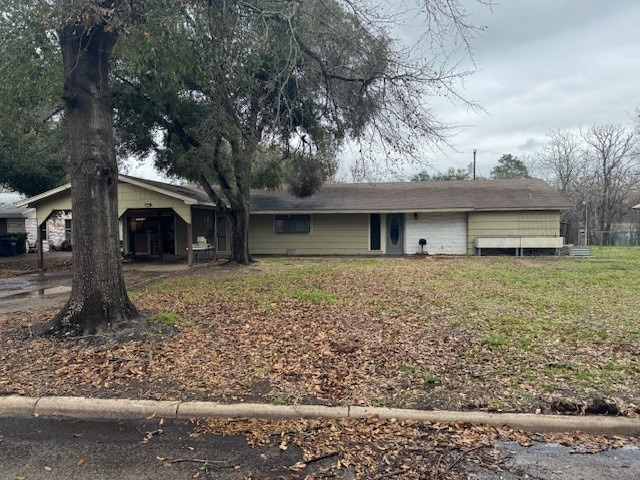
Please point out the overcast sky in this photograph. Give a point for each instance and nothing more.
(546, 64)
(543, 64)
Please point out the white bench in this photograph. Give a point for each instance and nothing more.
(517, 243)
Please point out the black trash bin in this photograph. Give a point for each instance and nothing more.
(8, 247)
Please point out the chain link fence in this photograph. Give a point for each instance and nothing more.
(615, 238)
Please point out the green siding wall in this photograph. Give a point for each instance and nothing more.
(46, 206)
(134, 197)
(514, 224)
(181, 236)
(331, 234)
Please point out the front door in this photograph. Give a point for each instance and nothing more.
(395, 233)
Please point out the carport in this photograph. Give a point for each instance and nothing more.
(156, 218)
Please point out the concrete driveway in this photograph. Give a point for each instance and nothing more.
(24, 288)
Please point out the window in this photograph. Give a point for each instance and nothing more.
(67, 230)
(293, 223)
(374, 239)
(3, 226)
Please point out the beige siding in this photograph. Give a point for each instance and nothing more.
(46, 206)
(134, 197)
(129, 197)
(343, 234)
(512, 224)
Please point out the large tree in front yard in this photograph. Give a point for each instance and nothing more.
(85, 33)
(99, 300)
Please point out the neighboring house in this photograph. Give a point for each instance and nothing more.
(56, 231)
(453, 217)
(14, 219)
(450, 217)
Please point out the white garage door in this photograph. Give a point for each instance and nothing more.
(445, 233)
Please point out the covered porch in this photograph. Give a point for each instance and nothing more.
(156, 220)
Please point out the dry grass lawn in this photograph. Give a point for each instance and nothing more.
(490, 333)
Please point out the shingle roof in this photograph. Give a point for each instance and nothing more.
(452, 195)
(8, 209)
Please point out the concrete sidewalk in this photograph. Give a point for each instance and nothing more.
(81, 407)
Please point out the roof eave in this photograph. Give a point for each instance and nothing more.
(28, 202)
(357, 211)
(186, 199)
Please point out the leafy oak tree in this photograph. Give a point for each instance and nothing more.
(237, 79)
(321, 72)
(32, 147)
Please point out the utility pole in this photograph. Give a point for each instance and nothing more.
(586, 220)
(474, 163)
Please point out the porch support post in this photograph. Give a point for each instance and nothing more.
(160, 236)
(39, 244)
(215, 235)
(190, 244)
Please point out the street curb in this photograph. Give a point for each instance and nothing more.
(95, 408)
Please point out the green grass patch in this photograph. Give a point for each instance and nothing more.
(169, 319)
(314, 297)
(496, 340)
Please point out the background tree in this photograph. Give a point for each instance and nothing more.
(450, 174)
(598, 170)
(614, 166)
(32, 146)
(241, 78)
(509, 167)
(562, 163)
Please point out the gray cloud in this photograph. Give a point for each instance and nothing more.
(546, 65)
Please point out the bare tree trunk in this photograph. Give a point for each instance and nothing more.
(239, 220)
(99, 300)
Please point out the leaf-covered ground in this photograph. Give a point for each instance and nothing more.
(499, 334)
(374, 448)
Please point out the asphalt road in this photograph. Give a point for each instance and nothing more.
(550, 461)
(57, 449)
(53, 449)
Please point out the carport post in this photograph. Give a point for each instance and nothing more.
(190, 244)
(160, 242)
(39, 246)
